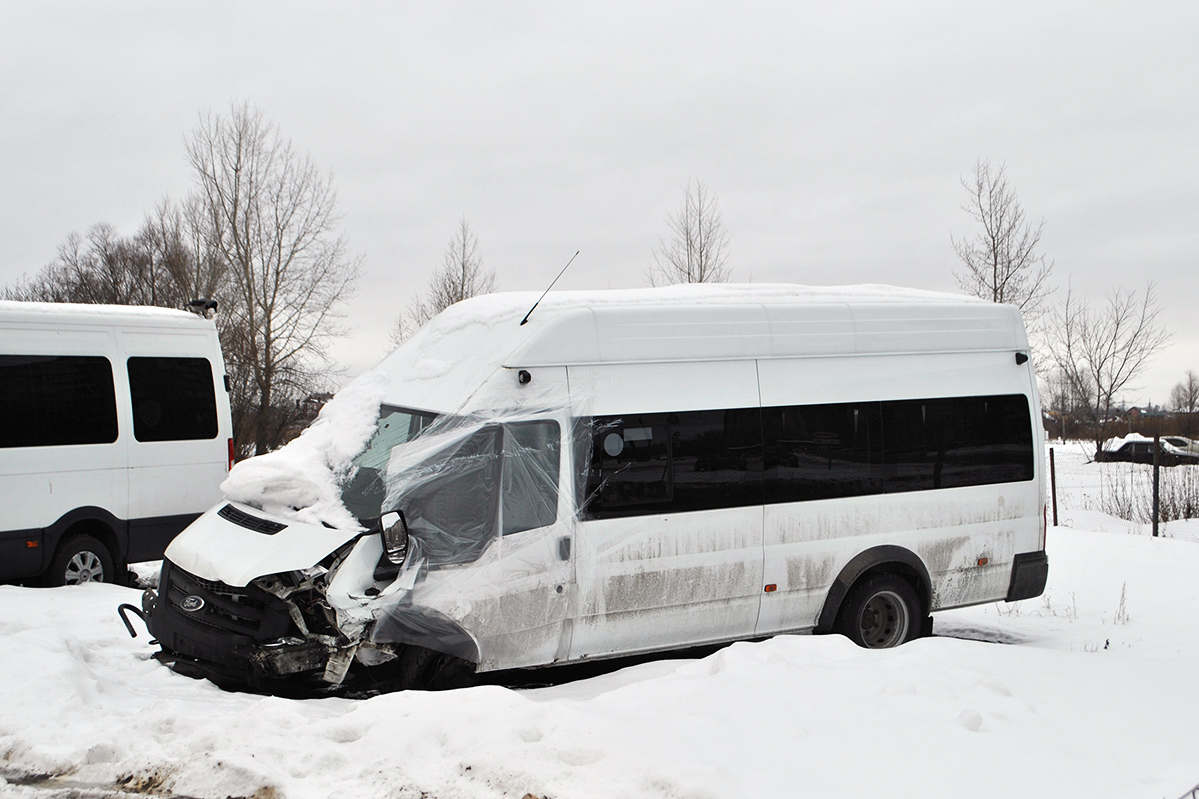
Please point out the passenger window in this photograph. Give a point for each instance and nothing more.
(716, 458)
(962, 441)
(49, 401)
(630, 465)
(173, 399)
(822, 451)
(675, 462)
(532, 454)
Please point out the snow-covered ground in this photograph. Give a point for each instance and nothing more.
(1089, 691)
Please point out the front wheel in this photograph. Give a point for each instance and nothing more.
(80, 559)
(880, 612)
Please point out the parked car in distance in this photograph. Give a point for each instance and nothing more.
(1140, 450)
(1182, 443)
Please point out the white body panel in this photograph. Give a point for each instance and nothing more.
(661, 580)
(124, 480)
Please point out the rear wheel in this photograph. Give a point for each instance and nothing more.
(80, 559)
(880, 612)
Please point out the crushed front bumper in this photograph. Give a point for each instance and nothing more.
(233, 635)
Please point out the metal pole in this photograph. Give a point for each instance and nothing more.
(1157, 457)
(1053, 484)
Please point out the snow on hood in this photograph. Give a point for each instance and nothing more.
(302, 480)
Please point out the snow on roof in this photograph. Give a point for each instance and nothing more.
(14, 311)
(467, 342)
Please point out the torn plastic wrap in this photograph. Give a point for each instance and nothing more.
(488, 571)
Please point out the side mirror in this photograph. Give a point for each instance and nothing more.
(395, 537)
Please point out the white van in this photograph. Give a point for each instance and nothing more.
(116, 435)
(627, 472)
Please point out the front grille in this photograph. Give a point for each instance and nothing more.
(249, 611)
(243, 519)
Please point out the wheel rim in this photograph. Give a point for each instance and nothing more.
(884, 621)
(84, 567)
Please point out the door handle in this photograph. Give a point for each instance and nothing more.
(564, 548)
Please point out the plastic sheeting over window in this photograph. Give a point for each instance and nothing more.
(466, 480)
(530, 485)
(363, 493)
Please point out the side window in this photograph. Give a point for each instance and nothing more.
(822, 451)
(173, 399)
(675, 462)
(961, 441)
(451, 507)
(630, 466)
(716, 458)
(532, 454)
(48, 401)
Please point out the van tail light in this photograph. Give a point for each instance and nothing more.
(229, 466)
(1044, 525)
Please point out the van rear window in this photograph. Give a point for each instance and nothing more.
(173, 399)
(48, 401)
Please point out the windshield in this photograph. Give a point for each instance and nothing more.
(363, 491)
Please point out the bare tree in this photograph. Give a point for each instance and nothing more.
(698, 249)
(1001, 261)
(1064, 402)
(1184, 401)
(150, 268)
(267, 220)
(1100, 351)
(460, 277)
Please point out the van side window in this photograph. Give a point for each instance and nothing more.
(674, 462)
(716, 458)
(630, 464)
(701, 460)
(173, 399)
(532, 454)
(822, 451)
(963, 441)
(48, 401)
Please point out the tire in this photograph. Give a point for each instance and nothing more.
(80, 559)
(426, 670)
(880, 612)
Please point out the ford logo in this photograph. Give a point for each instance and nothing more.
(192, 603)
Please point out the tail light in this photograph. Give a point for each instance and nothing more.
(230, 464)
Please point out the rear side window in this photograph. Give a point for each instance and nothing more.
(960, 441)
(173, 399)
(48, 401)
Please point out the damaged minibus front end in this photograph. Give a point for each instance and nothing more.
(454, 517)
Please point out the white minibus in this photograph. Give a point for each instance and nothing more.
(624, 472)
(116, 435)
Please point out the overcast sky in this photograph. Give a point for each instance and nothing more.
(834, 135)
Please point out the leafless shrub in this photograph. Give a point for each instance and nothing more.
(1126, 492)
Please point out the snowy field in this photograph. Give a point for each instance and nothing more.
(1089, 691)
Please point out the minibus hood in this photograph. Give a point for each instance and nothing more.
(234, 543)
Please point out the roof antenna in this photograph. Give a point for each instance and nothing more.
(547, 291)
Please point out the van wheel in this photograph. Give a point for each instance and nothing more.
(426, 670)
(80, 559)
(880, 612)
